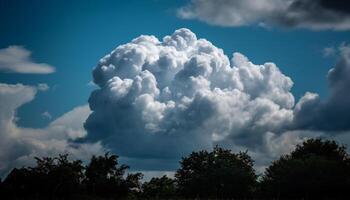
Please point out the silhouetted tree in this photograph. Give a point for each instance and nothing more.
(60, 176)
(133, 184)
(159, 188)
(2, 189)
(216, 174)
(105, 178)
(315, 169)
(19, 184)
(51, 177)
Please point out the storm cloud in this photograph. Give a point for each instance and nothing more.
(310, 14)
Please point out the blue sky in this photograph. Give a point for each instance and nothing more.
(72, 37)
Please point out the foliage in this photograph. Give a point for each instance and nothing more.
(60, 178)
(159, 188)
(216, 174)
(315, 169)
(50, 177)
(104, 178)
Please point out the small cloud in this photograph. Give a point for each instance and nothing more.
(16, 59)
(43, 87)
(91, 84)
(329, 51)
(46, 115)
(335, 51)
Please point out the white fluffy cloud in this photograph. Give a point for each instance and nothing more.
(310, 14)
(163, 99)
(18, 145)
(16, 59)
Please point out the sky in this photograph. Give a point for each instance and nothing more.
(78, 77)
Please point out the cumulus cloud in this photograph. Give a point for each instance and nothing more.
(16, 59)
(19, 145)
(163, 99)
(310, 14)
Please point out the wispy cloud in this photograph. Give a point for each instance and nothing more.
(43, 87)
(46, 115)
(329, 51)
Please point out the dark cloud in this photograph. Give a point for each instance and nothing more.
(310, 14)
(336, 5)
(332, 115)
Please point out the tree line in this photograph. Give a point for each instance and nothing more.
(315, 169)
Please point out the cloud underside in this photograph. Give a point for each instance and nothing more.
(310, 14)
(159, 100)
(16, 59)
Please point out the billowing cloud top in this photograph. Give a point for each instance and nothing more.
(16, 59)
(161, 99)
(314, 14)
